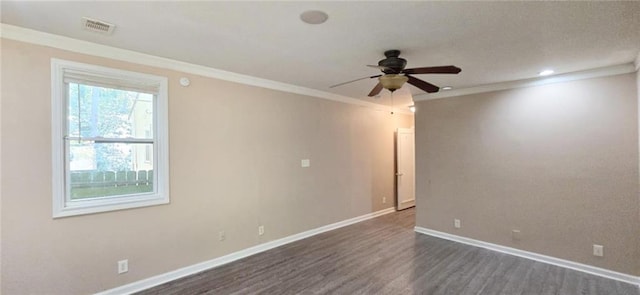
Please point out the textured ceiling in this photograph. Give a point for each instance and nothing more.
(491, 41)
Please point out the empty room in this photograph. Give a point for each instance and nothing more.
(319, 147)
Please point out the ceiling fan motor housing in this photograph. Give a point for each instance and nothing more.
(393, 63)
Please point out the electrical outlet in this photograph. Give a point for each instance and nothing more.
(456, 223)
(305, 163)
(516, 235)
(384, 200)
(261, 230)
(222, 236)
(598, 250)
(123, 266)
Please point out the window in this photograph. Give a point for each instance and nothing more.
(110, 139)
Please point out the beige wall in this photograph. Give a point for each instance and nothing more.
(235, 164)
(558, 162)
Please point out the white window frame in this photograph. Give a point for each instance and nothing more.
(62, 205)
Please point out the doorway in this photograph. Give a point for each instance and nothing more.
(405, 168)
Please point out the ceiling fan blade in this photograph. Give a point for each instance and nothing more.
(434, 70)
(426, 86)
(370, 77)
(376, 90)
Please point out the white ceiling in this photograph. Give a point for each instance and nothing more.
(491, 41)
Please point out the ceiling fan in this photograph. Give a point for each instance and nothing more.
(395, 75)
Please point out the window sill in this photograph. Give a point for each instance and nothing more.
(75, 208)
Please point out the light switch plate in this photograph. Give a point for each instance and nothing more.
(123, 266)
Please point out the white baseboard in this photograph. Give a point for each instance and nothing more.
(192, 269)
(534, 256)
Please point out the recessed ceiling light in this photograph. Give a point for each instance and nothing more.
(546, 72)
(314, 17)
(447, 88)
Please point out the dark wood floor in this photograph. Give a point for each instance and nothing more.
(385, 256)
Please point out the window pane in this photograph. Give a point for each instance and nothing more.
(109, 169)
(105, 112)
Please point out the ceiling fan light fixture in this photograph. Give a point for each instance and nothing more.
(393, 82)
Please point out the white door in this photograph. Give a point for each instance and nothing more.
(405, 171)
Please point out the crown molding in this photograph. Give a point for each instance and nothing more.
(580, 75)
(94, 49)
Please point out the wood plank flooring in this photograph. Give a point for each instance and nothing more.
(385, 256)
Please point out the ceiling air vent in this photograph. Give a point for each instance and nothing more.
(97, 26)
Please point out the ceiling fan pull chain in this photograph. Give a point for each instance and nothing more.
(392, 102)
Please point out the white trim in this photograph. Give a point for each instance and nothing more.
(57, 133)
(534, 256)
(84, 47)
(94, 49)
(195, 268)
(588, 74)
